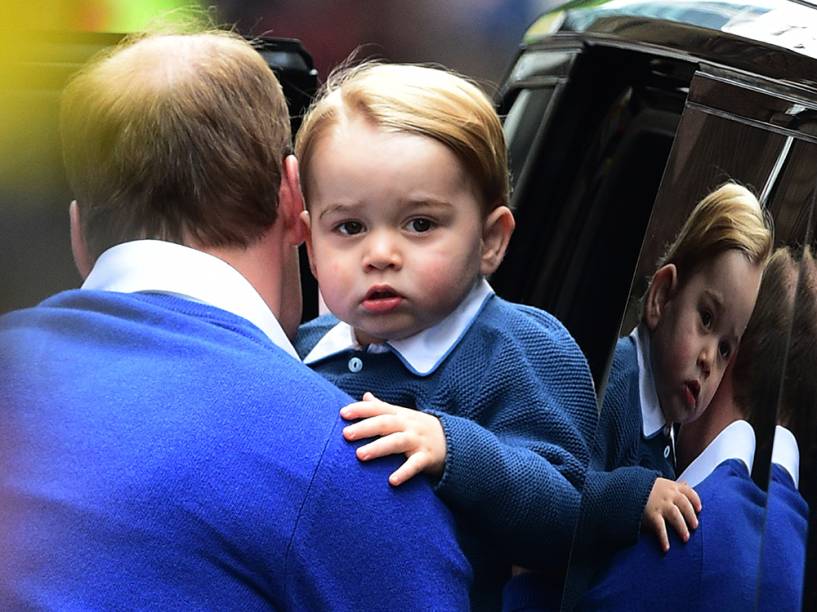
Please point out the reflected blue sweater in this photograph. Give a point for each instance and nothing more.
(161, 454)
(624, 466)
(516, 401)
(716, 569)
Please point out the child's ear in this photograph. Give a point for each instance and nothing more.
(496, 233)
(306, 222)
(662, 289)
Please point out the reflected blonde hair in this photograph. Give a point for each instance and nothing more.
(728, 218)
(430, 102)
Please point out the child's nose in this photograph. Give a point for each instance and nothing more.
(706, 358)
(382, 252)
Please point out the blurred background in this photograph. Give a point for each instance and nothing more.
(43, 41)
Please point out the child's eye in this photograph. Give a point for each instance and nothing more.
(349, 228)
(725, 349)
(420, 225)
(706, 318)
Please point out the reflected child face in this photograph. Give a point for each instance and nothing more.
(695, 328)
(397, 234)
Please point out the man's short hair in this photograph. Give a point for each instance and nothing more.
(782, 333)
(728, 218)
(177, 137)
(430, 102)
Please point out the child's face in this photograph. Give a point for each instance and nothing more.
(695, 330)
(397, 235)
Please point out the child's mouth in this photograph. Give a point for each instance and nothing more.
(692, 389)
(381, 299)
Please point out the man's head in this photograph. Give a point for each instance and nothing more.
(175, 137)
(787, 301)
(406, 184)
(701, 297)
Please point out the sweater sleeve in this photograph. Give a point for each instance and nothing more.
(360, 544)
(516, 457)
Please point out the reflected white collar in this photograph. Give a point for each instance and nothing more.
(786, 454)
(735, 441)
(652, 419)
(164, 267)
(421, 353)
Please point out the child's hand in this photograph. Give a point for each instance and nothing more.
(671, 502)
(400, 430)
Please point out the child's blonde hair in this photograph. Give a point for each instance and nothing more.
(420, 100)
(728, 218)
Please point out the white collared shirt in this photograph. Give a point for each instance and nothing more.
(421, 353)
(735, 441)
(164, 267)
(652, 418)
(786, 454)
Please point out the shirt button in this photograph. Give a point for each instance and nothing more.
(355, 365)
(666, 452)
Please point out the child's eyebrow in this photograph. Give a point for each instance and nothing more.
(718, 304)
(344, 209)
(428, 202)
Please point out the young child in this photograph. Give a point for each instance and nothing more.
(665, 372)
(406, 183)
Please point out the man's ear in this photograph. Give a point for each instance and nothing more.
(307, 224)
(291, 201)
(79, 247)
(662, 289)
(496, 233)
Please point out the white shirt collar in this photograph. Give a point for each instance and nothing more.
(421, 353)
(786, 454)
(735, 441)
(165, 267)
(652, 417)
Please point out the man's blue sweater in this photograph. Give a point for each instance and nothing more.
(717, 569)
(783, 560)
(516, 401)
(162, 454)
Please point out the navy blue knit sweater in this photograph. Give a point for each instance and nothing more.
(516, 401)
(624, 466)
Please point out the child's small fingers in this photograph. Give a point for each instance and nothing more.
(692, 496)
(366, 408)
(410, 468)
(663, 537)
(676, 520)
(381, 425)
(688, 512)
(394, 444)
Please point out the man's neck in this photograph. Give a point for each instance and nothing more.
(694, 437)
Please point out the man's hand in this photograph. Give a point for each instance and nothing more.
(671, 502)
(417, 435)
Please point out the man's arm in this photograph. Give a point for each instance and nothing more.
(361, 544)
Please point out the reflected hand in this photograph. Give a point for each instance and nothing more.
(417, 435)
(674, 503)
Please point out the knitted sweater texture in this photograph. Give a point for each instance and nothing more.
(516, 401)
(623, 469)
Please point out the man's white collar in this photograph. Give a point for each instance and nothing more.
(652, 417)
(421, 353)
(735, 441)
(786, 454)
(164, 267)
